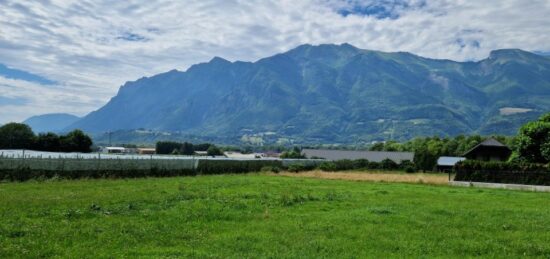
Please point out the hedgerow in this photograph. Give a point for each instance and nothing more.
(502, 172)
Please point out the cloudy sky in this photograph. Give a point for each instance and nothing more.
(72, 56)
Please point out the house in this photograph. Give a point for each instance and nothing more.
(446, 163)
(372, 156)
(489, 150)
(146, 151)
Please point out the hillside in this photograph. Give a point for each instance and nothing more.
(53, 122)
(334, 93)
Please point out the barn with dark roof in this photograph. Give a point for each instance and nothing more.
(489, 150)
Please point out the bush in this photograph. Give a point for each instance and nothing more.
(295, 168)
(271, 169)
(327, 166)
(234, 166)
(502, 172)
(346, 164)
(410, 169)
(388, 164)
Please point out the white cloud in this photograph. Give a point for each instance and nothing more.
(33, 98)
(93, 47)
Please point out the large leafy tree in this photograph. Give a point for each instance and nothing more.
(76, 141)
(16, 136)
(47, 142)
(214, 151)
(187, 149)
(533, 140)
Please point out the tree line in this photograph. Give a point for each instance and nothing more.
(530, 145)
(186, 148)
(21, 136)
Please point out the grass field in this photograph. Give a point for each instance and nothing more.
(376, 176)
(250, 216)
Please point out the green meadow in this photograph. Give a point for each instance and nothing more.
(263, 215)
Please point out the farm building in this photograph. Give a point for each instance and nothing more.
(114, 150)
(446, 163)
(489, 150)
(373, 156)
(146, 151)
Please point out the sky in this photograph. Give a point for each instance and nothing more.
(72, 56)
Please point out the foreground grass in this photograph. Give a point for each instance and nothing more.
(268, 216)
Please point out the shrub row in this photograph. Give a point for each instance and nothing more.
(23, 172)
(26, 170)
(358, 164)
(502, 172)
(235, 166)
(26, 173)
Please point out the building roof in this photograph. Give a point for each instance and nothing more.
(115, 148)
(490, 142)
(449, 160)
(232, 154)
(373, 156)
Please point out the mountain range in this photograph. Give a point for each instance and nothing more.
(334, 94)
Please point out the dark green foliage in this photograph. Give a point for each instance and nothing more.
(533, 141)
(363, 164)
(16, 136)
(20, 136)
(295, 153)
(388, 164)
(48, 142)
(182, 148)
(214, 151)
(75, 141)
(167, 147)
(502, 172)
(187, 149)
(208, 166)
(327, 166)
(25, 173)
(271, 169)
(202, 146)
(295, 168)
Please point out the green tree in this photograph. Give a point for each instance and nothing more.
(533, 141)
(187, 149)
(76, 141)
(48, 142)
(295, 153)
(16, 136)
(168, 147)
(377, 147)
(214, 151)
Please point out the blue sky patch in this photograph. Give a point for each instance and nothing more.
(386, 9)
(23, 75)
(17, 101)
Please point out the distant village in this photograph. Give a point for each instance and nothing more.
(488, 150)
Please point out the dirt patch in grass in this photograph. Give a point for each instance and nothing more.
(375, 176)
